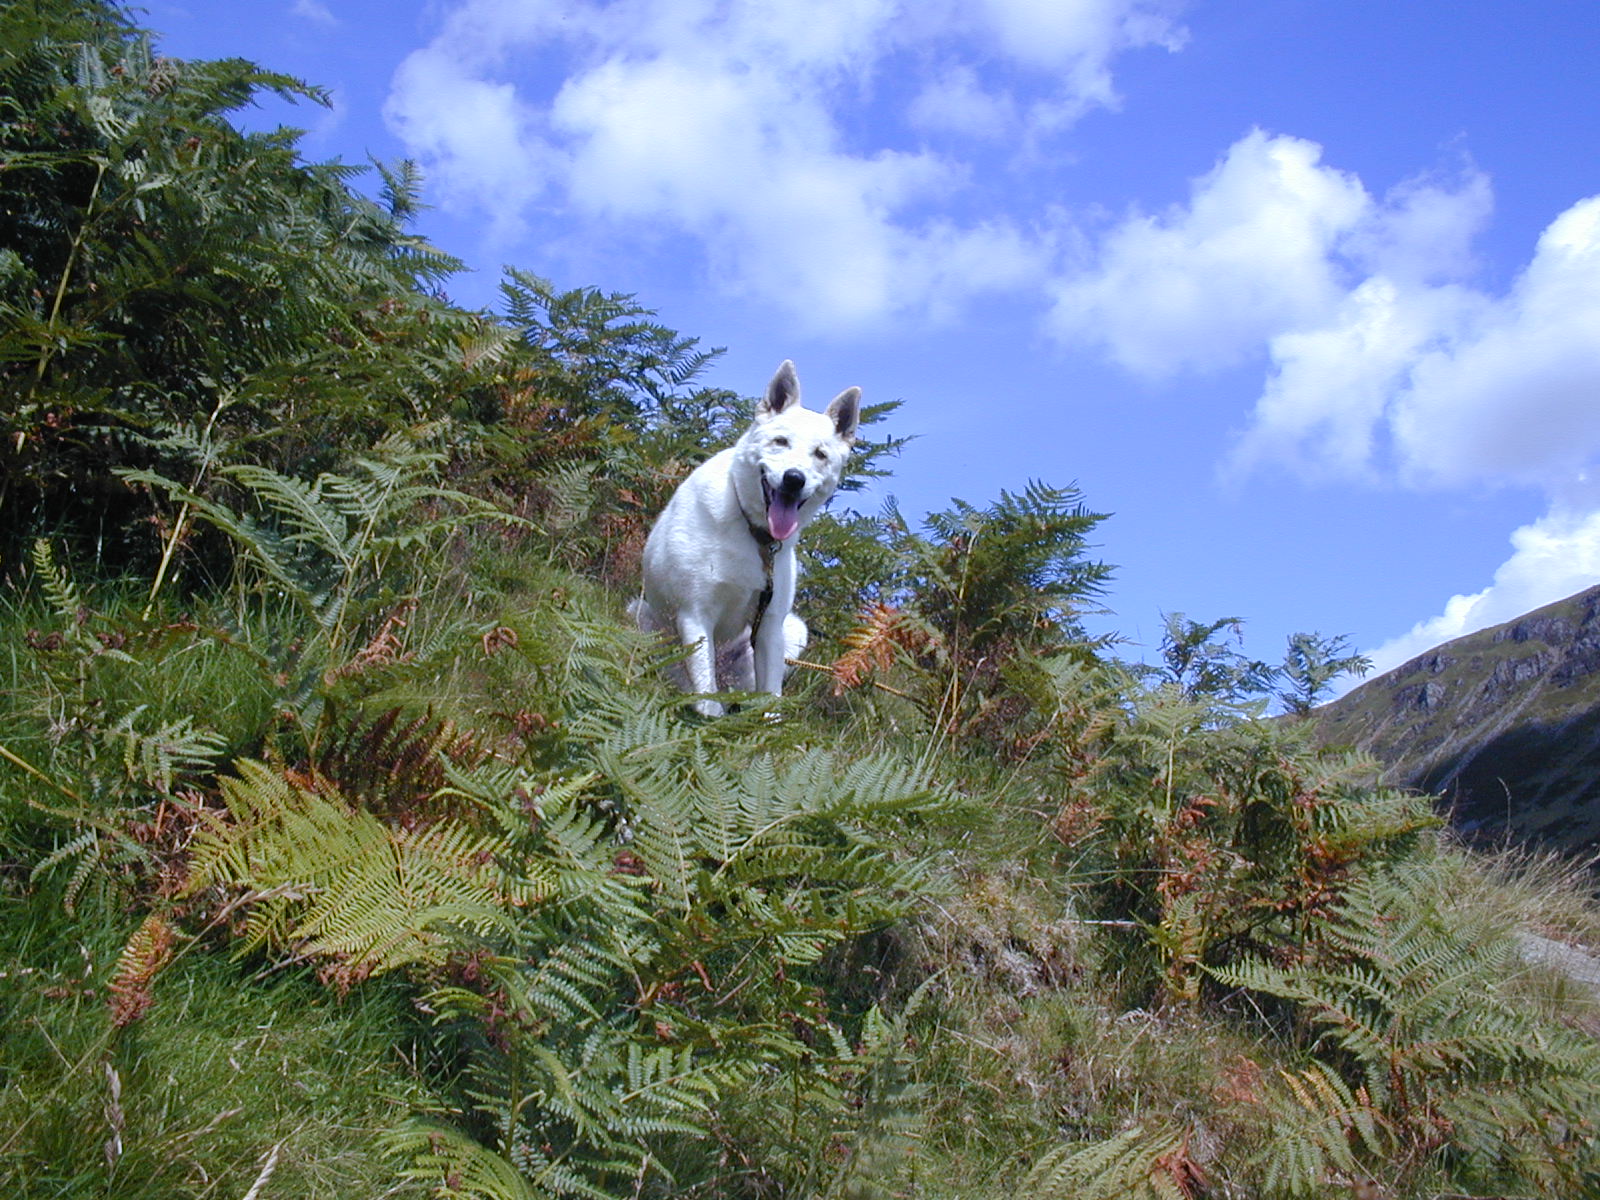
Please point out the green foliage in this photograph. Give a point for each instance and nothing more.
(1223, 834)
(331, 882)
(1137, 1164)
(597, 355)
(1311, 664)
(455, 1167)
(1200, 666)
(617, 952)
(1009, 576)
(161, 266)
(330, 542)
(1436, 1072)
(344, 550)
(1319, 1124)
(712, 916)
(985, 590)
(220, 1075)
(591, 422)
(363, 708)
(107, 738)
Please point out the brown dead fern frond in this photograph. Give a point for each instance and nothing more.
(873, 645)
(385, 647)
(141, 960)
(396, 766)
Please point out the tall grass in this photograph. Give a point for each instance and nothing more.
(229, 1068)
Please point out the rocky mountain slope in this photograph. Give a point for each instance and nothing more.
(1503, 725)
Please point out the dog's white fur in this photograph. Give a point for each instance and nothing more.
(703, 562)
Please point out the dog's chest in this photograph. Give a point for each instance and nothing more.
(740, 572)
(735, 609)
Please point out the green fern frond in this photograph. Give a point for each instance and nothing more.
(84, 842)
(87, 849)
(1410, 1004)
(455, 1166)
(325, 880)
(275, 553)
(56, 583)
(160, 757)
(486, 344)
(569, 496)
(1134, 1165)
(312, 521)
(1317, 1124)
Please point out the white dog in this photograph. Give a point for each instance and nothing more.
(719, 566)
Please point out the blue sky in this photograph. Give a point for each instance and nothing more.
(1306, 293)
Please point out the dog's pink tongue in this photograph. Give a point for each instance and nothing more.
(783, 516)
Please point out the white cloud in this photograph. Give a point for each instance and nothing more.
(1277, 251)
(1423, 230)
(761, 131)
(1384, 362)
(955, 101)
(1419, 376)
(747, 165)
(480, 145)
(1332, 383)
(1209, 283)
(1557, 555)
(1516, 397)
(1077, 39)
(315, 11)
(1322, 411)
(1439, 383)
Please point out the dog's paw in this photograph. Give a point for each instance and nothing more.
(708, 708)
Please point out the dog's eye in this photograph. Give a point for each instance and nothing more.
(822, 455)
(782, 443)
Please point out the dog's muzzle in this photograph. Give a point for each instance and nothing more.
(783, 502)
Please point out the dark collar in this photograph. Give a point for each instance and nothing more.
(764, 539)
(768, 546)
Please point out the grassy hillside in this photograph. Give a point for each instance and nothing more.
(352, 843)
(1503, 723)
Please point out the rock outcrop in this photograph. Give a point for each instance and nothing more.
(1503, 725)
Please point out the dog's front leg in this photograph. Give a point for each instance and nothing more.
(701, 664)
(768, 649)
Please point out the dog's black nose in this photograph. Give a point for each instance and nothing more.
(794, 479)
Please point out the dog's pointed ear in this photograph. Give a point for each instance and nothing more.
(845, 413)
(783, 391)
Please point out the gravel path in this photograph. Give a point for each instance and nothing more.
(1577, 965)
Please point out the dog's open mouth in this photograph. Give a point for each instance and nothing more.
(783, 509)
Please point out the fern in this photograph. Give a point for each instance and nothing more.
(390, 764)
(147, 951)
(332, 539)
(88, 849)
(1225, 835)
(886, 1102)
(164, 256)
(873, 645)
(161, 757)
(1408, 1005)
(340, 548)
(325, 880)
(72, 610)
(704, 888)
(457, 1167)
(570, 497)
(1137, 1164)
(57, 585)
